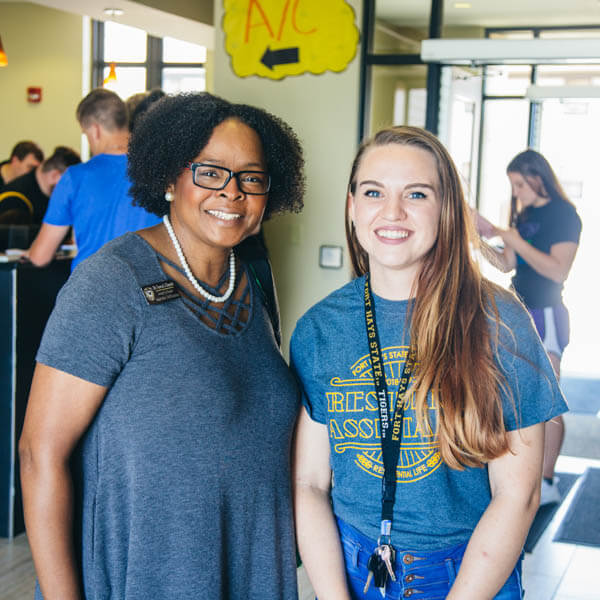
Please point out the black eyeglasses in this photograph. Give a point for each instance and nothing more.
(212, 177)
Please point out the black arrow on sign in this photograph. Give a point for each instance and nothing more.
(285, 56)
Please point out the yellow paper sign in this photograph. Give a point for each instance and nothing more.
(277, 38)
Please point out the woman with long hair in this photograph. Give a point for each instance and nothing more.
(418, 452)
(540, 245)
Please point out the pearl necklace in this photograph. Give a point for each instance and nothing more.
(189, 273)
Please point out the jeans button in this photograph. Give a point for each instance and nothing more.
(409, 578)
(408, 593)
(407, 559)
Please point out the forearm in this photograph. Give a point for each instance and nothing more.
(319, 544)
(40, 257)
(48, 507)
(494, 548)
(46, 243)
(544, 264)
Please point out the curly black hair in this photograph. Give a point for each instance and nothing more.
(176, 129)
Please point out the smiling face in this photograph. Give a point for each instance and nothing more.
(212, 219)
(396, 211)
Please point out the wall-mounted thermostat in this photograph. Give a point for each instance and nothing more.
(330, 257)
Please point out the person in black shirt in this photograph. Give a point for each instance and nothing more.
(24, 200)
(540, 245)
(24, 157)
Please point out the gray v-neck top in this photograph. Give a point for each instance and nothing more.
(183, 477)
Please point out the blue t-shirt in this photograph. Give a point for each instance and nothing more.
(94, 198)
(435, 506)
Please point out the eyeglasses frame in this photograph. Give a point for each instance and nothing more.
(193, 165)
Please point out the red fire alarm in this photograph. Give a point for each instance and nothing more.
(34, 94)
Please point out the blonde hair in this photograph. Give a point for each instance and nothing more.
(451, 319)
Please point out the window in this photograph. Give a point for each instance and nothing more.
(143, 62)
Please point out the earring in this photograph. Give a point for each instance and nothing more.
(169, 196)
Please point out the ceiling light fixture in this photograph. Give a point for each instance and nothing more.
(3, 57)
(521, 52)
(563, 92)
(113, 12)
(462, 5)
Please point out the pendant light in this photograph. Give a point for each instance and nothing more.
(3, 58)
(112, 75)
(111, 78)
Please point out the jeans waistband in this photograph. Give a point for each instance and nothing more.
(406, 556)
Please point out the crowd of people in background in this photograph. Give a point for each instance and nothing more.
(92, 202)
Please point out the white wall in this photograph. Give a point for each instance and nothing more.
(323, 110)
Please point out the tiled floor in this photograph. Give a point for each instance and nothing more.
(557, 571)
(553, 571)
(17, 577)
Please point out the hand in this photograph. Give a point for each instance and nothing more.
(509, 236)
(483, 226)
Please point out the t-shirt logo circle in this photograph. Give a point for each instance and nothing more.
(354, 421)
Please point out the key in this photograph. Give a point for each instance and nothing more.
(377, 571)
(373, 565)
(387, 556)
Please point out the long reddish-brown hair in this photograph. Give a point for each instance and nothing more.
(454, 319)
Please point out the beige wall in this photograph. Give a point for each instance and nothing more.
(323, 110)
(43, 46)
(196, 10)
(209, 65)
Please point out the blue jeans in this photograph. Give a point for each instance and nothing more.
(419, 575)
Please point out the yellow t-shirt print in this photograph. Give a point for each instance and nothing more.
(353, 420)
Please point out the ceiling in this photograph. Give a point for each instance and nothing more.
(493, 13)
(400, 13)
(155, 21)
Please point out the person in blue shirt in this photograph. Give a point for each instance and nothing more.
(540, 245)
(93, 197)
(418, 453)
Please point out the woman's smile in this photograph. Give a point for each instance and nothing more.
(392, 235)
(224, 215)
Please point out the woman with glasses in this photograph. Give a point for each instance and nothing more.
(540, 245)
(418, 453)
(155, 451)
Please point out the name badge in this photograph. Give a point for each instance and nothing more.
(163, 291)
